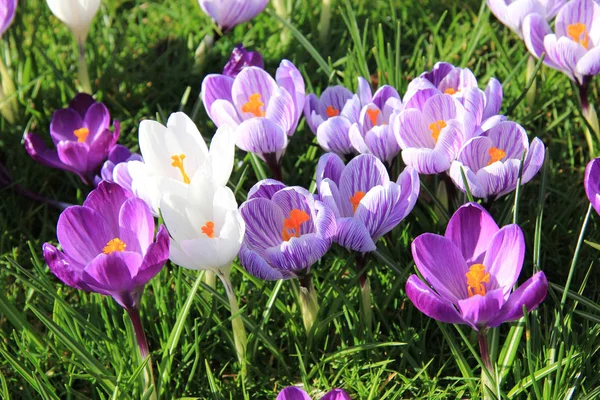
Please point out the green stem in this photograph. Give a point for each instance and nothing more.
(136, 321)
(9, 105)
(309, 304)
(210, 279)
(325, 21)
(530, 96)
(83, 74)
(202, 51)
(365, 291)
(487, 387)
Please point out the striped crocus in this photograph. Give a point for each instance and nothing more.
(229, 13)
(471, 271)
(241, 58)
(295, 393)
(365, 202)
(591, 183)
(491, 162)
(512, 12)
(264, 111)
(7, 14)
(82, 136)
(115, 168)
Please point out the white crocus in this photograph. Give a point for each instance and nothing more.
(174, 154)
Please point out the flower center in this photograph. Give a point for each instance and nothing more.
(450, 91)
(476, 277)
(331, 111)
(253, 105)
(82, 134)
(178, 163)
(373, 114)
(209, 229)
(436, 129)
(355, 200)
(496, 154)
(291, 225)
(114, 245)
(578, 32)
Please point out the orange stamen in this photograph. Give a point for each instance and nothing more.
(331, 111)
(496, 154)
(450, 91)
(253, 105)
(114, 245)
(578, 32)
(178, 163)
(355, 200)
(209, 229)
(291, 225)
(436, 129)
(373, 113)
(82, 134)
(476, 277)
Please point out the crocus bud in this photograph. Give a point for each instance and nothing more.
(7, 14)
(76, 14)
(229, 13)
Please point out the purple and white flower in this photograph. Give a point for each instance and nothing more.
(512, 13)
(115, 168)
(295, 393)
(241, 58)
(7, 14)
(229, 13)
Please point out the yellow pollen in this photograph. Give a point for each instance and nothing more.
(436, 129)
(476, 277)
(178, 163)
(332, 111)
(209, 229)
(114, 245)
(82, 134)
(450, 91)
(253, 105)
(355, 200)
(291, 225)
(373, 114)
(578, 32)
(496, 155)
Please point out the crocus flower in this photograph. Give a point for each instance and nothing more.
(76, 14)
(229, 13)
(115, 168)
(574, 46)
(264, 111)
(241, 58)
(512, 12)
(287, 230)
(7, 14)
(591, 183)
(174, 154)
(471, 271)
(365, 202)
(82, 138)
(294, 393)
(492, 161)
(108, 245)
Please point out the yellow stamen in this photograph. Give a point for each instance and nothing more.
(178, 163)
(291, 225)
(578, 32)
(436, 129)
(450, 91)
(373, 113)
(332, 111)
(355, 200)
(496, 154)
(82, 134)
(114, 245)
(209, 229)
(253, 105)
(476, 277)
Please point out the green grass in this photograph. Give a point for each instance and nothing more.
(59, 343)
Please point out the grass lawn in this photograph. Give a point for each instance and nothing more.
(60, 343)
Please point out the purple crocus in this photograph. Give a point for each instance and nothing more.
(287, 230)
(115, 168)
(471, 271)
(365, 202)
(492, 161)
(264, 111)
(7, 14)
(512, 12)
(241, 58)
(294, 393)
(108, 245)
(591, 183)
(82, 138)
(574, 46)
(229, 13)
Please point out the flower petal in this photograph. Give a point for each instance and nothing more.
(426, 161)
(257, 266)
(530, 295)
(479, 310)
(67, 271)
(156, 257)
(330, 166)
(264, 223)
(261, 136)
(298, 253)
(333, 136)
(336, 394)
(216, 87)
(293, 393)
(353, 235)
(504, 258)
(265, 189)
(430, 303)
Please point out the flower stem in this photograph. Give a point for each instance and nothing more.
(589, 113)
(134, 315)
(365, 290)
(309, 305)
(201, 54)
(530, 96)
(83, 74)
(9, 105)
(325, 21)
(274, 166)
(239, 331)
(210, 279)
(487, 386)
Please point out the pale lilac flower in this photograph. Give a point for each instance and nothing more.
(115, 168)
(591, 183)
(229, 13)
(512, 12)
(7, 14)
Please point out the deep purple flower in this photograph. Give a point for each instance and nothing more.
(294, 393)
(115, 168)
(7, 14)
(512, 12)
(241, 58)
(472, 270)
(366, 204)
(591, 183)
(229, 13)
(108, 245)
(82, 138)
(287, 230)
(574, 48)
(492, 161)
(264, 111)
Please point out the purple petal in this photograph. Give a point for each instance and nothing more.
(589, 64)
(330, 166)
(250, 82)
(229, 13)
(297, 198)
(439, 107)
(535, 30)
(264, 223)
(591, 182)
(493, 96)
(411, 130)
(354, 235)
(336, 97)
(241, 58)
(360, 175)
(383, 94)
(364, 92)
(265, 189)
(298, 253)
(64, 124)
(565, 53)
(81, 103)
(75, 156)
(382, 143)
(426, 161)
(97, 120)
(475, 153)
(290, 79)
(430, 303)
(215, 87)
(156, 257)
(281, 111)
(37, 149)
(479, 310)
(325, 221)
(257, 266)
(579, 11)
(262, 136)
(530, 294)
(336, 394)
(534, 160)
(499, 178)
(330, 195)
(113, 273)
(107, 200)
(66, 270)
(333, 136)
(504, 258)
(135, 217)
(418, 99)
(293, 393)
